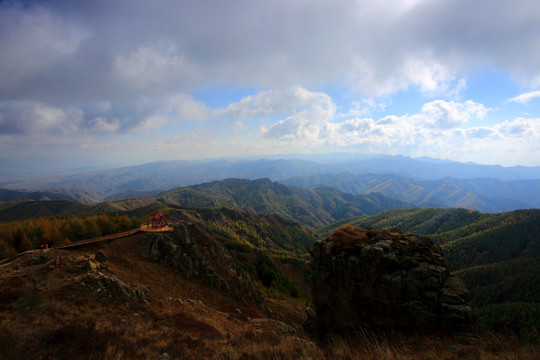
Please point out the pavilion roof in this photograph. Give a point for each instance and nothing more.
(158, 215)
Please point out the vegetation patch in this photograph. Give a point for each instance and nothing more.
(20, 236)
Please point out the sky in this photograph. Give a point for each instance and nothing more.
(113, 83)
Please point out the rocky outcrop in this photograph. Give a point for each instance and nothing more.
(197, 255)
(108, 287)
(381, 279)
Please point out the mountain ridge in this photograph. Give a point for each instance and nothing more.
(313, 208)
(482, 194)
(159, 176)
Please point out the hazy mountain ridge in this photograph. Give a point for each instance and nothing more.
(482, 194)
(27, 209)
(159, 176)
(48, 194)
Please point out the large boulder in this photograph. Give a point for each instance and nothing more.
(365, 278)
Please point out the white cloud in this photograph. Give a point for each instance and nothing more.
(441, 114)
(277, 102)
(320, 123)
(308, 112)
(184, 107)
(178, 108)
(525, 98)
(154, 122)
(239, 126)
(438, 130)
(23, 117)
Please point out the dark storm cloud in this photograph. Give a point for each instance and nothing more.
(65, 51)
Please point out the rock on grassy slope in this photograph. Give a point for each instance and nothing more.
(119, 301)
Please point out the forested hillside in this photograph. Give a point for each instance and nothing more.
(20, 236)
(313, 208)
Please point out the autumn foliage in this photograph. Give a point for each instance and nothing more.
(20, 236)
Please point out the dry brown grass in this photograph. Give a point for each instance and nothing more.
(46, 314)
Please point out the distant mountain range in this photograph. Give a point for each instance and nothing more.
(422, 182)
(152, 178)
(482, 194)
(311, 207)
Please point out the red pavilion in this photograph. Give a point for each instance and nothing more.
(158, 219)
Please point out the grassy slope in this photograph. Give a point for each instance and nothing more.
(52, 314)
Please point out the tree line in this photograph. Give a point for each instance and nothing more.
(20, 236)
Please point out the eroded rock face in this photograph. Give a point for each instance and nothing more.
(380, 279)
(194, 253)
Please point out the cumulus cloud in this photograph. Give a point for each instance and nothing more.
(445, 115)
(310, 113)
(318, 121)
(185, 107)
(525, 98)
(177, 108)
(277, 102)
(440, 129)
(429, 75)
